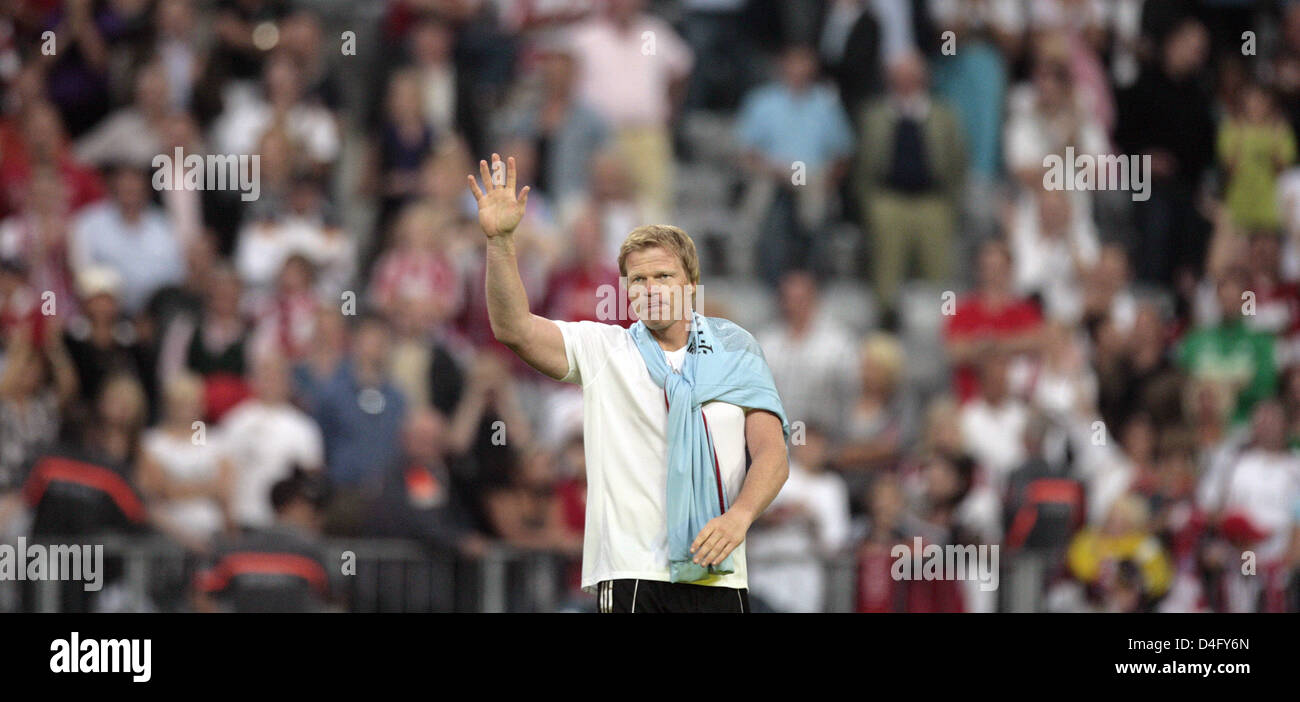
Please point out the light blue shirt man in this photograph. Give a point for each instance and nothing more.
(145, 253)
(786, 126)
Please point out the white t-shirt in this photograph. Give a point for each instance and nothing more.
(265, 441)
(790, 576)
(993, 436)
(624, 423)
(1264, 486)
(185, 461)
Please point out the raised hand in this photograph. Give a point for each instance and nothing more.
(499, 211)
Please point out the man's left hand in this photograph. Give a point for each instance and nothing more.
(719, 538)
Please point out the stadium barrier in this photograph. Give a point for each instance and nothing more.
(153, 574)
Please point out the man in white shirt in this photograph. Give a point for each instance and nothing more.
(813, 358)
(806, 523)
(266, 437)
(993, 424)
(625, 417)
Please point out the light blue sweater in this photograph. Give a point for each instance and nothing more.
(724, 363)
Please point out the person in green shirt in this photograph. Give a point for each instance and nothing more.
(1230, 353)
(1254, 146)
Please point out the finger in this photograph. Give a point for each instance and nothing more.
(523, 197)
(496, 158)
(714, 554)
(700, 538)
(510, 174)
(486, 174)
(726, 551)
(707, 548)
(473, 186)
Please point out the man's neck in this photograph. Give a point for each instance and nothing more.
(673, 337)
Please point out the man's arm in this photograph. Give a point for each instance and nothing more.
(535, 339)
(767, 473)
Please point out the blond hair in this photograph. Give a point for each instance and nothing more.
(670, 238)
(883, 351)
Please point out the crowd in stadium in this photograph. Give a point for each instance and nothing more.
(1117, 404)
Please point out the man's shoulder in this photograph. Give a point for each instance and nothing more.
(732, 335)
(592, 329)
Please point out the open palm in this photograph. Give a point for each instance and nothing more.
(499, 211)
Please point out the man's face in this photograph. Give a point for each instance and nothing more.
(995, 269)
(271, 380)
(130, 189)
(371, 343)
(657, 287)
(798, 296)
(1270, 426)
(798, 68)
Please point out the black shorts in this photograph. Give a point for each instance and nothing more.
(655, 596)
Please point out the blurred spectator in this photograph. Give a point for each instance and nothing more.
(405, 140)
(812, 358)
(183, 472)
(302, 38)
(178, 50)
(1166, 115)
(638, 97)
(359, 411)
(129, 234)
(424, 367)
(280, 568)
(565, 131)
(1239, 360)
(214, 345)
(132, 134)
(888, 523)
(716, 32)
(77, 74)
(881, 422)
(489, 420)
(974, 81)
(1053, 243)
(38, 143)
(36, 386)
(580, 287)
(911, 167)
(286, 319)
(265, 437)
(1123, 565)
(850, 46)
(418, 265)
(993, 423)
(101, 342)
(527, 512)
(796, 143)
(990, 319)
(422, 496)
(84, 487)
(285, 105)
(307, 227)
(36, 237)
(1254, 146)
(807, 521)
(1065, 387)
(442, 93)
(1251, 499)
